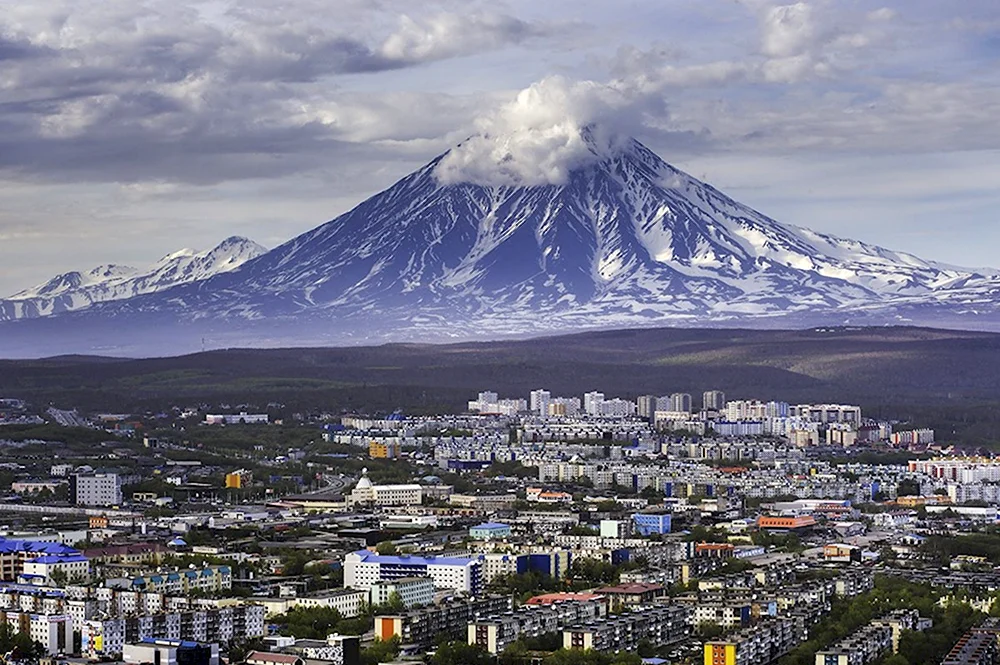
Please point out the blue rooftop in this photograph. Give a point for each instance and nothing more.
(491, 525)
(406, 560)
(14, 546)
(59, 558)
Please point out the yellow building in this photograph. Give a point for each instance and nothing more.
(384, 449)
(239, 479)
(720, 653)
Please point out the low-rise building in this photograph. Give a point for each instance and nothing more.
(632, 594)
(170, 652)
(490, 531)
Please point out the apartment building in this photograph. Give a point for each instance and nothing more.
(659, 624)
(14, 554)
(95, 489)
(978, 646)
(363, 568)
(496, 633)
(412, 591)
(210, 578)
(108, 637)
(429, 625)
(859, 648)
(53, 631)
(757, 645)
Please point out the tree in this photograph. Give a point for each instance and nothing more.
(651, 494)
(381, 651)
(710, 630)
(386, 548)
(460, 653)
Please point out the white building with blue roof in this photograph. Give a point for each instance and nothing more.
(51, 568)
(364, 568)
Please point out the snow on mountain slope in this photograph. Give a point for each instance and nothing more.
(626, 235)
(624, 239)
(75, 290)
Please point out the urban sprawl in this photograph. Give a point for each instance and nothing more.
(534, 529)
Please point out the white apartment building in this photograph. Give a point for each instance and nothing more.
(362, 569)
(106, 637)
(828, 413)
(98, 489)
(713, 400)
(592, 403)
(53, 631)
(346, 601)
(241, 418)
(413, 591)
(71, 568)
(539, 402)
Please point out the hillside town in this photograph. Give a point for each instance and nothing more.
(674, 529)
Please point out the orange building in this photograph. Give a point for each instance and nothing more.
(796, 523)
(388, 627)
(384, 450)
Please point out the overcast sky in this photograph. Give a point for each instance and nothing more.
(130, 129)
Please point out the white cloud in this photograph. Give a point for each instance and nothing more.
(787, 30)
(451, 34)
(539, 137)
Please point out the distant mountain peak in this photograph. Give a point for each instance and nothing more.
(74, 290)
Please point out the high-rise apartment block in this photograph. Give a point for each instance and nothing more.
(681, 402)
(713, 400)
(539, 402)
(592, 403)
(98, 489)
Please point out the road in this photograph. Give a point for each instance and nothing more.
(67, 418)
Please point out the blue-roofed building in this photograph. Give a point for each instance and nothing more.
(363, 568)
(647, 524)
(14, 554)
(490, 531)
(212, 578)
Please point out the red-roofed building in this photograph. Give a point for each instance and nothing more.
(552, 598)
(268, 658)
(799, 523)
(633, 593)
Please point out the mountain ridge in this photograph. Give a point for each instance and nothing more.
(79, 290)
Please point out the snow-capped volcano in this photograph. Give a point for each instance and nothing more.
(623, 239)
(625, 236)
(77, 290)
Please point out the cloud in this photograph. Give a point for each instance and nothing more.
(124, 92)
(449, 35)
(787, 30)
(547, 130)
